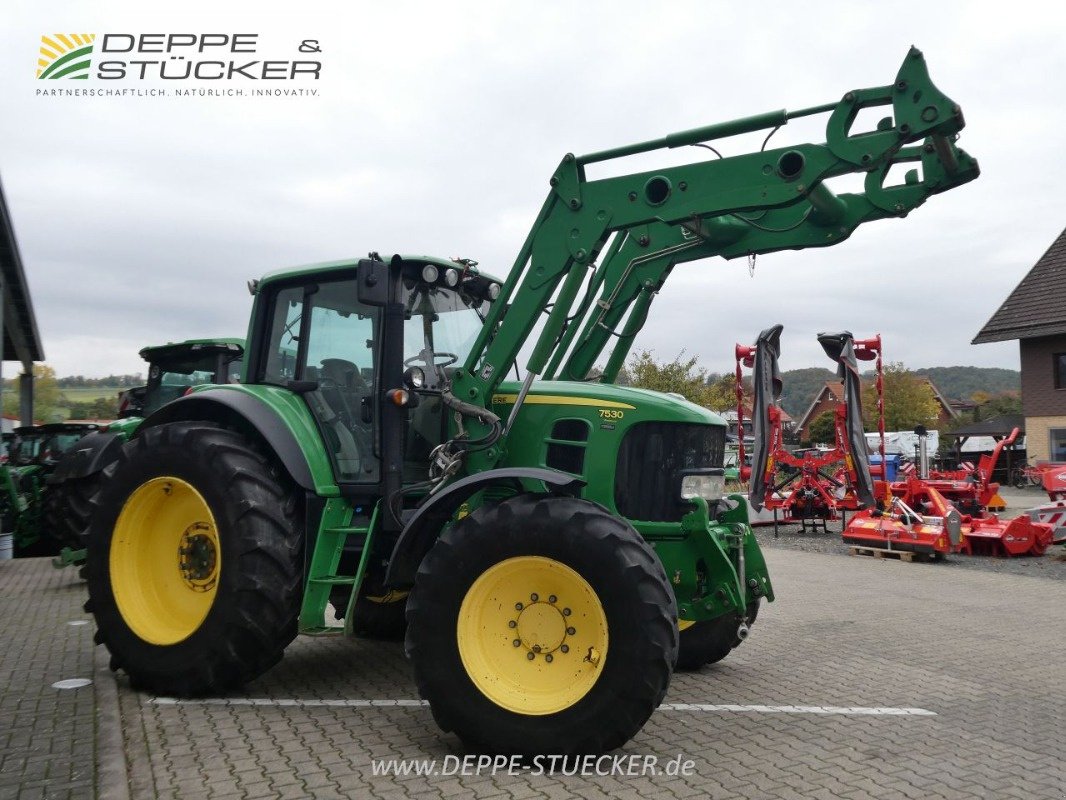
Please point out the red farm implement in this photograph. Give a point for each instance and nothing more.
(919, 519)
(945, 513)
(973, 491)
(1053, 513)
(815, 486)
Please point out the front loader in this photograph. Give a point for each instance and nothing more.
(547, 538)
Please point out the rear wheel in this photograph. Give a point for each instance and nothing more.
(542, 625)
(193, 560)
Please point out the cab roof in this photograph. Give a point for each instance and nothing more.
(350, 263)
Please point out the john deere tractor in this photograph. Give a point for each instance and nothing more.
(549, 536)
(34, 453)
(173, 369)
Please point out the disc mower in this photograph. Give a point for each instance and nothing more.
(810, 486)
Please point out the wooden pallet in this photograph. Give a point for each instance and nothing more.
(877, 552)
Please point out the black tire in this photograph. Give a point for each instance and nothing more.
(631, 588)
(68, 509)
(711, 641)
(379, 612)
(253, 615)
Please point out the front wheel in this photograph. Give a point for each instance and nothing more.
(542, 625)
(193, 560)
(68, 509)
(712, 640)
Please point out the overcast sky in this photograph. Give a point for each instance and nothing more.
(438, 125)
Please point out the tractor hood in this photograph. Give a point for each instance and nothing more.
(650, 404)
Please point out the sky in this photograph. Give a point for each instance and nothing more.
(436, 126)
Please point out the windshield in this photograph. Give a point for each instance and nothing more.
(441, 324)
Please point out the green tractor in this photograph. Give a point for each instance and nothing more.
(173, 370)
(558, 544)
(34, 453)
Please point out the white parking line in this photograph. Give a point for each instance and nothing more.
(847, 711)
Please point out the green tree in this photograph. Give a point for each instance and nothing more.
(909, 401)
(100, 408)
(822, 429)
(47, 398)
(680, 376)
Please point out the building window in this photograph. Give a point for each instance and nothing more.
(1060, 370)
(1057, 444)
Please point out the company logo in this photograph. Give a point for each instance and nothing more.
(65, 55)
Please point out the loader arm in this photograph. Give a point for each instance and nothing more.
(742, 205)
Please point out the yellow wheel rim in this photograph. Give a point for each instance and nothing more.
(165, 560)
(532, 635)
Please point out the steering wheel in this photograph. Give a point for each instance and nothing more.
(450, 358)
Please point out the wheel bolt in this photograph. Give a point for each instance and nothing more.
(512, 624)
(518, 606)
(536, 648)
(571, 631)
(552, 598)
(517, 642)
(565, 648)
(566, 612)
(530, 656)
(534, 597)
(548, 658)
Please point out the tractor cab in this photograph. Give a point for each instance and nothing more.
(56, 439)
(321, 337)
(177, 367)
(24, 446)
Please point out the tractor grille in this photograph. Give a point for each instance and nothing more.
(647, 482)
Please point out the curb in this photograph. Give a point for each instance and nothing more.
(112, 771)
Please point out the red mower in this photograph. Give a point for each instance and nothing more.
(814, 486)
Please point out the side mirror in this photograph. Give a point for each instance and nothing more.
(373, 282)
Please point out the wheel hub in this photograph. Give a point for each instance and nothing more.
(541, 627)
(198, 558)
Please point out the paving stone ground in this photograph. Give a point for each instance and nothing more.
(47, 735)
(983, 651)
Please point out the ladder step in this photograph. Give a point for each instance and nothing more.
(338, 580)
(346, 531)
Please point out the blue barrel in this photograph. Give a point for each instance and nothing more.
(891, 464)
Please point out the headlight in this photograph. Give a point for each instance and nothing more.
(451, 277)
(429, 273)
(414, 378)
(494, 291)
(709, 486)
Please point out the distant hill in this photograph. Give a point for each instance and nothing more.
(959, 383)
(955, 383)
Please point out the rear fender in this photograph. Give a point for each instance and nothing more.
(279, 417)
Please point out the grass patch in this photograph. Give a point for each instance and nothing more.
(86, 394)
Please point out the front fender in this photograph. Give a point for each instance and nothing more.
(87, 457)
(422, 529)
